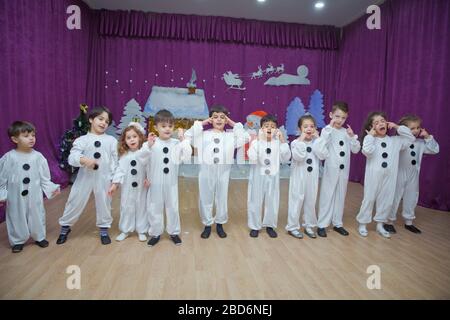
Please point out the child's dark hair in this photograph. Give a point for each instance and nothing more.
(218, 108)
(164, 116)
(269, 118)
(122, 147)
(367, 126)
(306, 117)
(341, 105)
(18, 127)
(407, 118)
(98, 111)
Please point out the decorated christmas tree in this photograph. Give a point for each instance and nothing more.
(131, 112)
(316, 108)
(294, 111)
(80, 127)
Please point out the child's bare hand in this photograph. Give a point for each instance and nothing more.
(350, 132)
(280, 136)
(230, 122)
(371, 132)
(315, 133)
(332, 121)
(88, 163)
(151, 139)
(2, 203)
(261, 134)
(181, 134)
(424, 134)
(302, 136)
(147, 183)
(56, 192)
(112, 189)
(207, 121)
(392, 125)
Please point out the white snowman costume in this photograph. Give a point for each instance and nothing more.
(304, 182)
(215, 156)
(130, 174)
(338, 145)
(163, 159)
(102, 148)
(264, 181)
(23, 178)
(408, 177)
(381, 173)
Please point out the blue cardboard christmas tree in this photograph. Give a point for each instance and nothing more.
(294, 111)
(316, 108)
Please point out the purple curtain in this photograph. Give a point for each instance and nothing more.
(132, 24)
(128, 68)
(403, 68)
(43, 72)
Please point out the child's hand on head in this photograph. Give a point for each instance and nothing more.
(371, 132)
(261, 134)
(280, 136)
(302, 136)
(151, 139)
(350, 132)
(112, 189)
(424, 133)
(332, 121)
(230, 122)
(315, 134)
(207, 121)
(392, 125)
(147, 183)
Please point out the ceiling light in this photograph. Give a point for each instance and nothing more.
(319, 5)
(261, 0)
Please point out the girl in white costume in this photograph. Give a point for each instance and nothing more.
(265, 155)
(304, 180)
(339, 142)
(24, 176)
(131, 176)
(408, 173)
(382, 153)
(215, 150)
(163, 155)
(96, 155)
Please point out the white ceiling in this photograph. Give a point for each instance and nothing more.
(335, 12)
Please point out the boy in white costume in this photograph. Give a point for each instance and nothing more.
(408, 173)
(265, 155)
(215, 149)
(339, 142)
(131, 175)
(96, 155)
(163, 155)
(24, 176)
(304, 179)
(382, 153)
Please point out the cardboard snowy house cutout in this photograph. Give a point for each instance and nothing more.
(178, 101)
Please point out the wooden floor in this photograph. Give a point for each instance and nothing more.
(238, 267)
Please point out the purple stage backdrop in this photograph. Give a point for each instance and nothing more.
(46, 70)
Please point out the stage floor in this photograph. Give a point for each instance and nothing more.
(238, 267)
